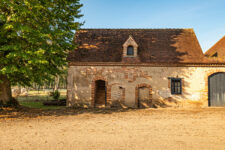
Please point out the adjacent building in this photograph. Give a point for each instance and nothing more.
(217, 50)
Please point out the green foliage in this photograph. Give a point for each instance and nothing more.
(1, 104)
(35, 38)
(12, 103)
(55, 95)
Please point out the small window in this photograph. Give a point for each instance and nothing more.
(215, 55)
(176, 86)
(130, 51)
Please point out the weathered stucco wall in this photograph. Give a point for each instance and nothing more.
(122, 83)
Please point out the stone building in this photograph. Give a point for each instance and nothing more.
(143, 68)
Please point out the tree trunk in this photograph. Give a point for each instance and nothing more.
(56, 83)
(5, 89)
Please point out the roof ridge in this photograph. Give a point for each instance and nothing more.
(136, 29)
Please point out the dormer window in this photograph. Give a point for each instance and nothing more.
(130, 47)
(130, 51)
(215, 55)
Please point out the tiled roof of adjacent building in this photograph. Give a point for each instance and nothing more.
(218, 48)
(154, 45)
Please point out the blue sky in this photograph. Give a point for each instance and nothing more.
(207, 17)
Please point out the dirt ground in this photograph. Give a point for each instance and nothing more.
(100, 129)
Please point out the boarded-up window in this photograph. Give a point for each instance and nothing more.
(116, 93)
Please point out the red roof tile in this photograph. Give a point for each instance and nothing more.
(218, 48)
(154, 45)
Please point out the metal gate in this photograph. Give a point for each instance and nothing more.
(217, 89)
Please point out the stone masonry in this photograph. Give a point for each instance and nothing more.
(123, 82)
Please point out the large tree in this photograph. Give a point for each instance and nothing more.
(35, 38)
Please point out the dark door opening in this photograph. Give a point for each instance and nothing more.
(100, 93)
(216, 93)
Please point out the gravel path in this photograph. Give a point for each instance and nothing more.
(113, 129)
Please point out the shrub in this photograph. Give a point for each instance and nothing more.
(1, 104)
(55, 95)
(12, 103)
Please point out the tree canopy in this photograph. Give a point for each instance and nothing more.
(35, 38)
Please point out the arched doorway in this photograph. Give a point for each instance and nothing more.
(100, 93)
(143, 96)
(216, 89)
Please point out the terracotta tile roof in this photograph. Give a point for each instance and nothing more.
(154, 46)
(218, 48)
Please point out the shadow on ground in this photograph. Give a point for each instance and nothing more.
(24, 112)
(28, 112)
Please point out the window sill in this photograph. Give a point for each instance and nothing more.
(129, 56)
(176, 94)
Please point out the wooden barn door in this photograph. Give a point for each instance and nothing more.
(217, 89)
(100, 93)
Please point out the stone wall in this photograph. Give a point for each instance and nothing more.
(123, 83)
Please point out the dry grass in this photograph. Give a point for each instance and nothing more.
(40, 95)
(113, 129)
(45, 92)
